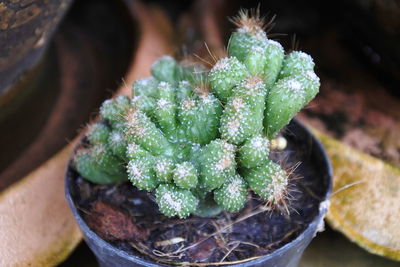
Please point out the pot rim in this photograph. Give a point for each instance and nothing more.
(323, 208)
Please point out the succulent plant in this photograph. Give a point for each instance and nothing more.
(199, 139)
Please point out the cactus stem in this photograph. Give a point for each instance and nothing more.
(194, 135)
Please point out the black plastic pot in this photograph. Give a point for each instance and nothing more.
(287, 255)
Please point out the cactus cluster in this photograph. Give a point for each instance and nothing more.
(200, 138)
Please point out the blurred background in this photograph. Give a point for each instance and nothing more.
(60, 59)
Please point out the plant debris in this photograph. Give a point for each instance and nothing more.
(112, 224)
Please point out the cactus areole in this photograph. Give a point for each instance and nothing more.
(188, 134)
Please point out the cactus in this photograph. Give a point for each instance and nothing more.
(200, 139)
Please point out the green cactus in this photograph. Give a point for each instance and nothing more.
(165, 69)
(249, 33)
(285, 98)
(225, 75)
(232, 195)
(254, 152)
(296, 62)
(99, 164)
(269, 181)
(185, 175)
(164, 169)
(173, 201)
(142, 174)
(198, 139)
(113, 110)
(98, 133)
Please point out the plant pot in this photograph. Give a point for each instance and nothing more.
(287, 255)
(26, 28)
(59, 86)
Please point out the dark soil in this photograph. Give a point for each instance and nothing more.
(129, 219)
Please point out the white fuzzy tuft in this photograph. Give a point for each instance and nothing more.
(223, 164)
(222, 64)
(188, 104)
(182, 171)
(175, 204)
(233, 127)
(162, 166)
(233, 189)
(163, 104)
(295, 85)
(312, 76)
(134, 170)
(238, 103)
(304, 56)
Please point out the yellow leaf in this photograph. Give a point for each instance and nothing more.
(365, 203)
